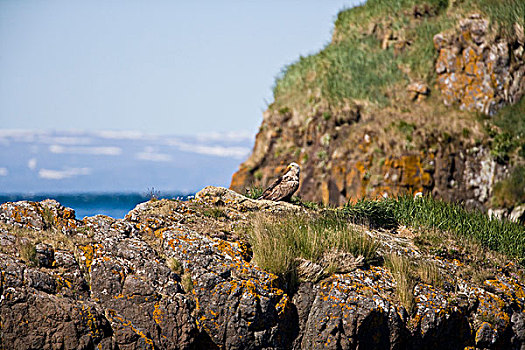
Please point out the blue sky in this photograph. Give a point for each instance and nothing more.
(164, 67)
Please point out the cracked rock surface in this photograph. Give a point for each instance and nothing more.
(180, 275)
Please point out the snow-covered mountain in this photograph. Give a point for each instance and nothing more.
(117, 161)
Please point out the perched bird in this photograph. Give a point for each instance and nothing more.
(285, 186)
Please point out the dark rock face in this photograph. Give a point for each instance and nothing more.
(110, 292)
(162, 279)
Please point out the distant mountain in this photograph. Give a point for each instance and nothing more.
(117, 161)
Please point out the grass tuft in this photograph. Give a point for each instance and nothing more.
(27, 252)
(216, 213)
(376, 214)
(426, 212)
(175, 265)
(429, 273)
(499, 235)
(402, 271)
(279, 240)
(254, 192)
(187, 282)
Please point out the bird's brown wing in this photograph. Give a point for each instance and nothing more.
(281, 190)
(284, 190)
(267, 192)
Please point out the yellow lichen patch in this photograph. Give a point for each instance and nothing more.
(345, 292)
(91, 322)
(491, 308)
(159, 233)
(406, 172)
(282, 306)
(157, 313)
(509, 288)
(245, 250)
(113, 317)
(482, 329)
(90, 252)
(357, 179)
(62, 283)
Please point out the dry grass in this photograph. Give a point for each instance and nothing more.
(429, 273)
(187, 282)
(174, 265)
(402, 270)
(27, 252)
(278, 240)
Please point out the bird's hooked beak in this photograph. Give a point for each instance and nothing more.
(291, 166)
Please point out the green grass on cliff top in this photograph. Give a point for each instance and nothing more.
(354, 66)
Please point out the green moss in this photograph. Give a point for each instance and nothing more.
(511, 134)
(510, 191)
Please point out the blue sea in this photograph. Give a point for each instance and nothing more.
(116, 205)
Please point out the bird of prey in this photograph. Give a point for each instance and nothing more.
(285, 186)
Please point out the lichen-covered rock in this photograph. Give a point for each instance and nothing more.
(237, 304)
(352, 311)
(477, 70)
(418, 90)
(39, 215)
(163, 278)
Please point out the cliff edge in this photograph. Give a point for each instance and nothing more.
(409, 96)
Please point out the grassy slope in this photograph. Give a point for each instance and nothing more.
(430, 214)
(354, 67)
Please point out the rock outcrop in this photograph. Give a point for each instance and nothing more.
(416, 143)
(477, 70)
(180, 275)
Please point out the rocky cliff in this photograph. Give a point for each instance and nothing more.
(413, 96)
(187, 275)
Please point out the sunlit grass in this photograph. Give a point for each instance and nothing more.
(279, 240)
(428, 213)
(354, 66)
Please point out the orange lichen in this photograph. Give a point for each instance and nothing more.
(125, 323)
(157, 313)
